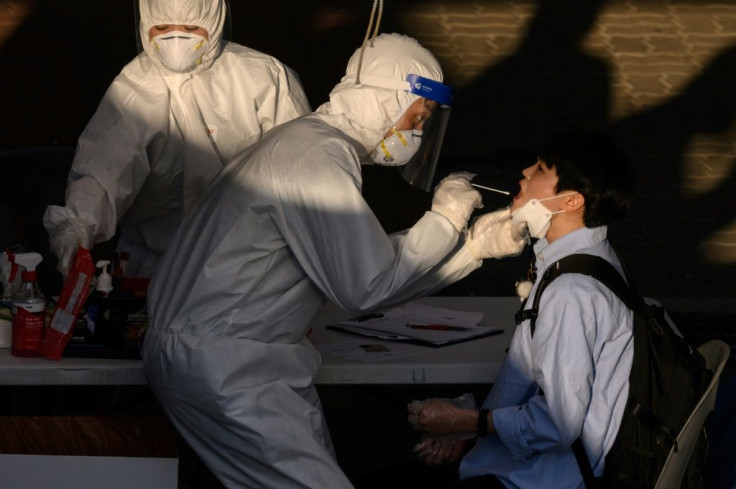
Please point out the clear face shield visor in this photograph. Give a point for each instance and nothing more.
(420, 169)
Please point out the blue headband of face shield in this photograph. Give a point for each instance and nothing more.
(430, 89)
(414, 84)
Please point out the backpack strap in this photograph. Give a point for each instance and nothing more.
(584, 464)
(591, 265)
(604, 272)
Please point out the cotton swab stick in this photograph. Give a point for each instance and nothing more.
(491, 189)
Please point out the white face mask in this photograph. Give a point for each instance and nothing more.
(398, 148)
(180, 51)
(536, 216)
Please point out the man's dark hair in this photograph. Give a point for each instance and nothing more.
(590, 163)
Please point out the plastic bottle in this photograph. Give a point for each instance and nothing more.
(122, 263)
(10, 279)
(73, 296)
(29, 307)
(104, 279)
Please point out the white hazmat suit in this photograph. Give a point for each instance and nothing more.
(159, 137)
(281, 231)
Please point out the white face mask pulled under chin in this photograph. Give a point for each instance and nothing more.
(180, 51)
(536, 216)
(397, 149)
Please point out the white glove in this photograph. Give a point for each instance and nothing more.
(496, 235)
(456, 199)
(66, 237)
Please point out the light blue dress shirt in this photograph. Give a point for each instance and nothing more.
(580, 357)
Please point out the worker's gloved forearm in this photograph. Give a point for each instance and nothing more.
(456, 199)
(66, 237)
(496, 235)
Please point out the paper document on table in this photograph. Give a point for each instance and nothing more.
(418, 323)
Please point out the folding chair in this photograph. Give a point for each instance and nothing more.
(716, 354)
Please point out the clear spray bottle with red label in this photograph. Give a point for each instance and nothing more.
(29, 307)
(10, 280)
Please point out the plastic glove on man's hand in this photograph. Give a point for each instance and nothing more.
(66, 237)
(438, 417)
(440, 451)
(456, 199)
(496, 235)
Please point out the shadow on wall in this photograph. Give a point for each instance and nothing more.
(550, 83)
(69, 52)
(667, 229)
(499, 119)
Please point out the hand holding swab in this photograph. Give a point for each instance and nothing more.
(491, 189)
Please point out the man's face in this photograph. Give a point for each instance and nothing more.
(414, 116)
(539, 182)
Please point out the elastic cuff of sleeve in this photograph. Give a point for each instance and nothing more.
(506, 421)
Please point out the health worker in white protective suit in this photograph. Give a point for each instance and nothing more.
(281, 231)
(167, 125)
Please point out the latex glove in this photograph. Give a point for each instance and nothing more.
(439, 451)
(66, 237)
(456, 199)
(439, 417)
(496, 235)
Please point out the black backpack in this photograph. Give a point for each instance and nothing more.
(666, 381)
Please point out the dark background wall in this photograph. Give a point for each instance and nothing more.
(656, 74)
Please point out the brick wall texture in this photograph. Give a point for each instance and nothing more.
(659, 75)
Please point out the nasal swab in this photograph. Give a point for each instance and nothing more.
(491, 189)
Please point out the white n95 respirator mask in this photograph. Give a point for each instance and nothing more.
(397, 149)
(180, 51)
(536, 216)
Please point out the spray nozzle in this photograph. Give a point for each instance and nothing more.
(29, 261)
(104, 280)
(8, 267)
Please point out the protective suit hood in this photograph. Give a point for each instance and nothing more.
(208, 14)
(364, 111)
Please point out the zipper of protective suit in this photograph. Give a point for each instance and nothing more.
(197, 174)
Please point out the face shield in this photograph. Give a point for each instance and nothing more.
(419, 170)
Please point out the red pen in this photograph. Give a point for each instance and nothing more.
(437, 327)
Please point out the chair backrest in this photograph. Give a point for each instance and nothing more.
(716, 354)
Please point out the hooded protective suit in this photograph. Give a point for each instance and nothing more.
(282, 230)
(158, 137)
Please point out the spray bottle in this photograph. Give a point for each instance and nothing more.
(29, 306)
(104, 279)
(10, 279)
(73, 296)
(9, 275)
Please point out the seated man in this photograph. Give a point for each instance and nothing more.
(572, 378)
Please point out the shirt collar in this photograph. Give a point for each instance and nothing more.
(547, 253)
